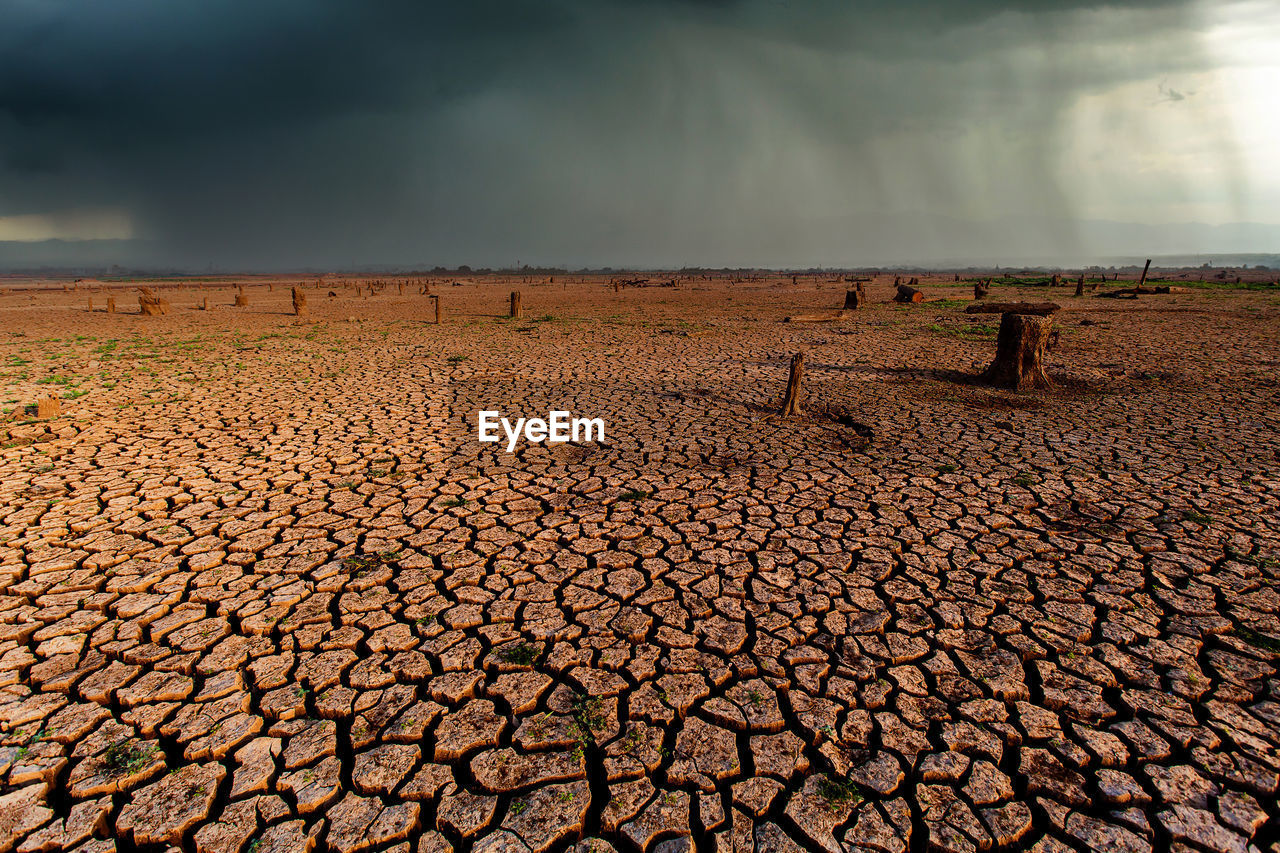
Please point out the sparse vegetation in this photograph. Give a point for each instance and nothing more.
(124, 758)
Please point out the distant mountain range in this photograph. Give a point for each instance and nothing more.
(854, 242)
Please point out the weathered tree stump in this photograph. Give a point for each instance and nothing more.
(90, 301)
(439, 311)
(981, 289)
(1020, 346)
(793, 403)
(1146, 269)
(242, 301)
(299, 302)
(152, 306)
(111, 305)
(50, 407)
(1057, 280)
(854, 299)
(1080, 285)
(907, 293)
(516, 311)
(204, 304)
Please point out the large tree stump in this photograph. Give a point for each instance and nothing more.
(242, 301)
(793, 403)
(516, 311)
(854, 298)
(981, 289)
(111, 305)
(907, 293)
(299, 302)
(152, 306)
(1020, 346)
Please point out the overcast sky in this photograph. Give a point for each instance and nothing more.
(277, 133)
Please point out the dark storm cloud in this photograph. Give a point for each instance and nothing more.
(335, 131)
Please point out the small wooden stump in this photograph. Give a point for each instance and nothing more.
(435, 297)
(90, 303)
(981, 289)
(111, 305)
(401, 286)
(204, 304)
(1020, 346)
(854, 299)
(516, 311)
(907, 293)
(793, 403)
(299, 302)
(50, 407)
(1080, 285)
(1146, 269)
(242, 301)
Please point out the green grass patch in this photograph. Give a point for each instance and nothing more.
(1257, 640)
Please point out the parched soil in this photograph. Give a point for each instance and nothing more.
(261, 588)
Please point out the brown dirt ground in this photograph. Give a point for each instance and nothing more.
(261, 589)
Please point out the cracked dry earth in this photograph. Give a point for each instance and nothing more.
(262, 590)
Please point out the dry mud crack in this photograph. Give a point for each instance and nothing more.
(261, 589)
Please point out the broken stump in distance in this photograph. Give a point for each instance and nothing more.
(111, 305)
(516, 311)
(435, 297)
(1020, 346)
(907, 293)
(50, 407)
(981, 289)
(299, 302)
(1080, 285)
(854, 299)
(793, 403)
(242, 301)
(204, 304)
